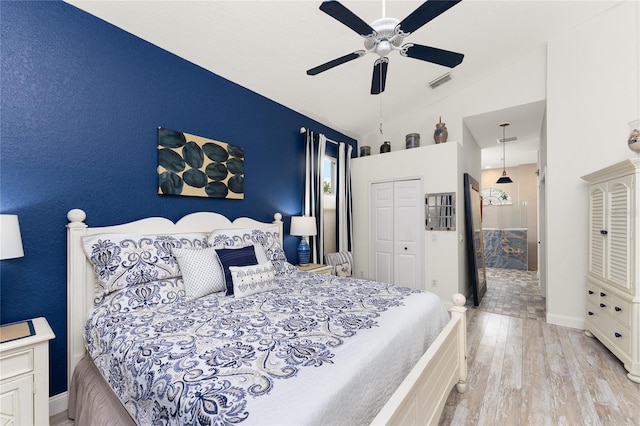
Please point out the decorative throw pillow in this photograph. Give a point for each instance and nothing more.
(343, 269)
(268, 238)
(201, 271)
(243, 256)
(121, 260)
(253, 279)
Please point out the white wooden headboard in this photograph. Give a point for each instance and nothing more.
(80, 274)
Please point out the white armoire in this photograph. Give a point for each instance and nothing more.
(397, 223)
(613, 275)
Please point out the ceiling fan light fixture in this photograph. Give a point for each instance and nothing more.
(504, 178)
(440, 80)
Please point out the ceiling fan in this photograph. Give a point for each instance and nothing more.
(386, 35)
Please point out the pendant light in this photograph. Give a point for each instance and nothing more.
(504, 178)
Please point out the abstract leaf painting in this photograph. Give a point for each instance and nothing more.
(195, 166)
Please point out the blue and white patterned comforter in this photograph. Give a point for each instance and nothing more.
(318, 350)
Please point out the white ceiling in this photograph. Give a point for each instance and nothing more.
(267, 46)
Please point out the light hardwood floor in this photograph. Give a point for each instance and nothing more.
(528, 372)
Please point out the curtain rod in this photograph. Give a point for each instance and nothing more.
(303, 129)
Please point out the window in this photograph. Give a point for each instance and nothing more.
(329, 176)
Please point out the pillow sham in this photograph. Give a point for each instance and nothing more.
(201, 271)
(121, 260)
(268, 238)
(141, 296)
(243, 256)
(253, 279)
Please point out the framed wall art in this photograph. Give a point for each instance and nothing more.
(195, 166)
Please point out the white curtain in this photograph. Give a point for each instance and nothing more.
(344, 225)
(312, 204)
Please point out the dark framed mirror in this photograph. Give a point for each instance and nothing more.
(475, 243)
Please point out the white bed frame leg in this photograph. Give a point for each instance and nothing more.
(459, 311)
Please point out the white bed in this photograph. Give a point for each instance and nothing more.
(331, 395)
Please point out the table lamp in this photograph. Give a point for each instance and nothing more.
(10, 239)
(303, 226)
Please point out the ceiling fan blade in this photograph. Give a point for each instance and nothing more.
(334, 63)
(426, 12)
(337, 11)
(379, 79)
(432, 54)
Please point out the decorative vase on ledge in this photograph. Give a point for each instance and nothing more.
(412, 140)
(441, 133)
(385, 147)
(365, 150)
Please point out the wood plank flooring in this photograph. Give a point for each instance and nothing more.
(527, 372)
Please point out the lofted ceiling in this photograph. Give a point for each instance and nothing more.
(267, 46)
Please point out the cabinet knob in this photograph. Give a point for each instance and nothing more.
(618, 308)
(405, 248)
(602, 305)
(590, 291)
(604, 232)
(590, 313)
(603, 294)
(618, 335)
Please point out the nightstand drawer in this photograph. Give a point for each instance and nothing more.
(317, 268)
(16, 363)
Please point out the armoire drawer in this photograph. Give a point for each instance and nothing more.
(621, 310)
(612, 331)
(593, 293)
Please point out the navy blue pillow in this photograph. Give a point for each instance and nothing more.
(245, 256)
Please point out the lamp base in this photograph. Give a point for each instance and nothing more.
(303, 251)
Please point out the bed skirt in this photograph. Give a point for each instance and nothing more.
(91, 401)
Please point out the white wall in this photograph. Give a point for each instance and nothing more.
(440, 167)
(593, 92)
(520, 82)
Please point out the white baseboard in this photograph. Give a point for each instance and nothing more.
(58, 403)
(565, 321)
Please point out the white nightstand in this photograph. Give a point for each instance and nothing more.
(24, 373)
(314, 267)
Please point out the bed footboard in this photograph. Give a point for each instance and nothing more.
(420, 398)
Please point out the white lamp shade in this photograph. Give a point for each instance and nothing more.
(10, 238)
(303, 226)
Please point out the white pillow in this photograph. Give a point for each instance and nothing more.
(253, 279)
(343, 269)
(201, 271)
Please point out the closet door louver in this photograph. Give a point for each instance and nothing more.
(597, 239)
(620, 238)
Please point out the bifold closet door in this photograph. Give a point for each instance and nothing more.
(397, 212)
(382, 232)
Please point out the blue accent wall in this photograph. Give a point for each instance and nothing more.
(80, 104)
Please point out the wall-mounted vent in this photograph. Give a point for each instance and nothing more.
(440, 80)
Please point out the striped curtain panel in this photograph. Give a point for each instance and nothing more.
(344, 209)
(312, 205)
